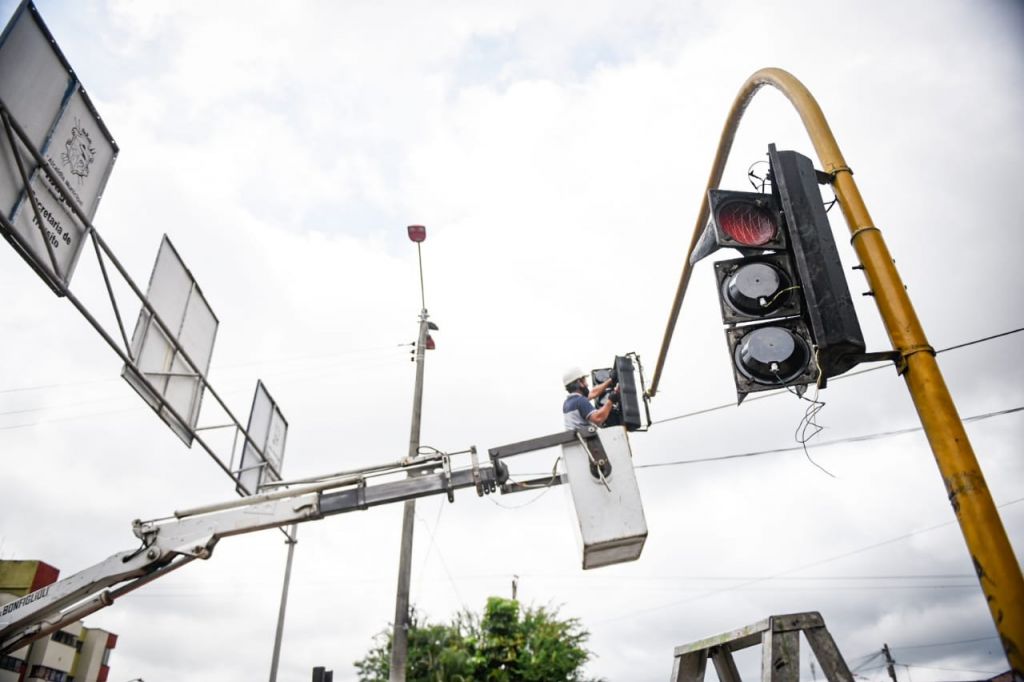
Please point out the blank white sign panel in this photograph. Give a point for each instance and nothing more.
(178, 301)
(269, 429)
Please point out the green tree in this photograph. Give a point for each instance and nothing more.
(506, 644)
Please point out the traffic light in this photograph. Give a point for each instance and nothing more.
(629, 380)
(790, 317)
(828, 305)
(629, 397)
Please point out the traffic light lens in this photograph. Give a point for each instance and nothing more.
(772, 356)
(757, 289)
(747, 223)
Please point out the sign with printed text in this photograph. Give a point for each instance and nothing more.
(43, 99)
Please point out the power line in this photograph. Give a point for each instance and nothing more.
(63, 384)
(928, 646)
(72, 418)
(950, 670)
(315, 374)
(796, 569)
(617, 578)
(793, 448)
(272, 361)
(869, 658)
(983, 339)
(440, 557)
(774, 394)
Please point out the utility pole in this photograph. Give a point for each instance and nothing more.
(275, 658)
(400, 632)
(889, 663)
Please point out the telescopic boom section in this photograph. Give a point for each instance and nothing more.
(171, 542)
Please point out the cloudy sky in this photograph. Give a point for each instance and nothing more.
(557, 153)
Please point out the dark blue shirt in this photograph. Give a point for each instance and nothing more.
(575, 411)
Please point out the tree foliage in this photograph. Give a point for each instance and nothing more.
(506, 644)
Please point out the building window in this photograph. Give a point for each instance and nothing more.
(64, 638)
(41, 672)
(11, 663)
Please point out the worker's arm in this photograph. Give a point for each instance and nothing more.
(600, 415)
(599, 389)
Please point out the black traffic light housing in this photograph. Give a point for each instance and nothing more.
(790, 317)
(321, 674)
(628, 376)
(828, 306)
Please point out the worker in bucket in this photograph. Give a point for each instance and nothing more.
(577, 410)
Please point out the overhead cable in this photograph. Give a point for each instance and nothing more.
(837, 441)
(844, 376)
(797, 569)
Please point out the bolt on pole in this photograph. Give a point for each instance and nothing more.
(998, 571)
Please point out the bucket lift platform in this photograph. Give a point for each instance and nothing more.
(779, 637)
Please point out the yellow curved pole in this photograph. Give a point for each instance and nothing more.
(990, 549)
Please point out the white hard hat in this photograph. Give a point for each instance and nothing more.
(572, 374)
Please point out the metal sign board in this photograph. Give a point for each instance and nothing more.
(177, 300)
(42, 97)
(269, 430)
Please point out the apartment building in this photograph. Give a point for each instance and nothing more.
(74, 653)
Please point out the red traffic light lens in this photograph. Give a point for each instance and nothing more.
(417, 233)
(747, 223)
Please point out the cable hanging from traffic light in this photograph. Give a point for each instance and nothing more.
(820, 444)
(807, 422)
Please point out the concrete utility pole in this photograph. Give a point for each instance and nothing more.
(275, 658)
(400, 633)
